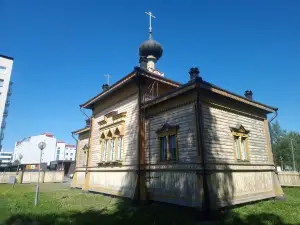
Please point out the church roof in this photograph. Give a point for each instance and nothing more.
(127, 79)
(210, 87)
(180, 88)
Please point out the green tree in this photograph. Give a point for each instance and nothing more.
(282, 147)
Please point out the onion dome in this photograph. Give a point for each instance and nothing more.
(151, 47)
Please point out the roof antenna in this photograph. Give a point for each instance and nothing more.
(150, 23)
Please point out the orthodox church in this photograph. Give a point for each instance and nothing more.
(151, 138)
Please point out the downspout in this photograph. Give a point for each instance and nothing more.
(90, 133)
(206, 204)
(274, 154)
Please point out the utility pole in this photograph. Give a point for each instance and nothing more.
(294, 165)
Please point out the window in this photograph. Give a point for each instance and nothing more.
(119, 153)
(112, 149)
(163, 147)
(168, 147)
(2, 69)
(70, 158)
(240, 136)
(168, 142)
(58, 152)
(58, 148)
(173, 146)
(66, 153)
(1, 83)
(71, 154)
(57, 157)
(104, 150)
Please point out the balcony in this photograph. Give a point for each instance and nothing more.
(5, 113)
(7, 103)
(1, 136)
(9, 93)
(10, 89)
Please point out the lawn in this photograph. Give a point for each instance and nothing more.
(59, 205)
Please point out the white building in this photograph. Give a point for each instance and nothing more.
(65, 151)
(5, 158)
(27, 151)
(6, 64)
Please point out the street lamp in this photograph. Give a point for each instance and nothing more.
(41, 145)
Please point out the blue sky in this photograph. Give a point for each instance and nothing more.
(62, 50)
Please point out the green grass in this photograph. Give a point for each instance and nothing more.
(59, 205)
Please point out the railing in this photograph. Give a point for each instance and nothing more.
(7, 103)
(5, 113)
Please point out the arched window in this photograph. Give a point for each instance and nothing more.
(119, 148)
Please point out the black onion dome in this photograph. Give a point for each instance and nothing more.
(151, 47)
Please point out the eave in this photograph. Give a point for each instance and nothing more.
(137, 71)
(80, 131)
(212, 88)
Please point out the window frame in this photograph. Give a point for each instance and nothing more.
(241, 134)
(167, 131)
(118, 151)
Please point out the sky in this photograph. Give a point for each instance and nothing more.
(62, 49)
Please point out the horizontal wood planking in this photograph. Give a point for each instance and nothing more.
(184, 118)
(129, 152)
(218, 138)
(81, 156)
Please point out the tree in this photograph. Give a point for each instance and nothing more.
(282, 146)
(16, 162)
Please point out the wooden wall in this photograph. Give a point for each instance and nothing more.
(114, 179)
(218, 137)
(176, 187)
(130, 138)
(230, 182)
(184, 117)
(120, 183)
(83, 140)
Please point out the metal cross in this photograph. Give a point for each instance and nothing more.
(108, 76)
(150, 22)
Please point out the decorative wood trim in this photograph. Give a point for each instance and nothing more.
(235, 97)
(240, 132)
(167, 128)
(110, 114)
(87, 177)
(111, 125)
(120, 115)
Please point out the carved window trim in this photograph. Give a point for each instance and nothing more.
(166, 132)
(240, 143)
(107, 137)
(111, 131)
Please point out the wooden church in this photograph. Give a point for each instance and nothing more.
(195, 144)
